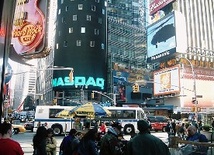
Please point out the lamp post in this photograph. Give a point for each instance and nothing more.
(114, 96)
(194, 98)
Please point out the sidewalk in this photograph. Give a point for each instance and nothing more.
(28, 148)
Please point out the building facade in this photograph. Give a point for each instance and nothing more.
(195, 62)
(125, 42)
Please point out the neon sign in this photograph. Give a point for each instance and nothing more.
(78, 81)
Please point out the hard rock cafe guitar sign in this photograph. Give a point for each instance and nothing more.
(28, 27)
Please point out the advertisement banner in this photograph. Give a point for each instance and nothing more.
(156, 5)
(167, 81)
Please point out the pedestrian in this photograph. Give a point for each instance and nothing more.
(66, 147)
(103, 128)
(145, 143)
(51, 142)
(182, 131)
(39, 141)
(87, 145)
(7, 145)
(168, 129)
(110, 143)
(212, 124)
(193, 135)
(173, 124)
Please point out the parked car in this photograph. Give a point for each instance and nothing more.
(29, 126)
(158, 123)
(17, 127)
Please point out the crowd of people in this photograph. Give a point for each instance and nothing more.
(101, 141)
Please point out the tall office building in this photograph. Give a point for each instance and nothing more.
(200, 25)
(127, 22)
(195, 25)
(125, 50)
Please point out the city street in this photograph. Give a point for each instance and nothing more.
(25, 140)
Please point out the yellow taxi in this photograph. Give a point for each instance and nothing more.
(17, 127)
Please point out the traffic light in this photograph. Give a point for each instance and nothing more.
(92, 95)
(71, 76)
(194, 101)
(135, 88)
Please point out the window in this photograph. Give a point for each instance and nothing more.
(62, 1)
(93, 8)
(59, 33)
(96, 31)
(88, 17)
(53, 112)
(80, 6)
(103, 11)
(100, 21)
(78, 42)
(63, 20)
(74, 17)
(82, 29)
(70, 30)
(57, 46)
(65, 44)
(59, 11)
(66, 8)
(102, 46)
(92, 43)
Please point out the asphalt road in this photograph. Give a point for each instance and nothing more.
(25, 140)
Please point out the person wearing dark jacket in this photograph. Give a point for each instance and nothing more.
(110, 143)
(67, 147)
(145, 143)
(39, 141)
(193, 135)
(87, 145)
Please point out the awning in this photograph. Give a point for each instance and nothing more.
(160, 107)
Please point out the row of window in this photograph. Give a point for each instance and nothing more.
(88, 18)
(82, 30)
(79, 43)
(80, 7)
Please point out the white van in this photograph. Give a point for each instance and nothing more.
(46, 116)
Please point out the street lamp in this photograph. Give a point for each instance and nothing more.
(194, 98)
(114, 96)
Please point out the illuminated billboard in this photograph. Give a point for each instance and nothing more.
(82, 48)
(156, 5)
(166, 37)
(28, 27)
(167, 81)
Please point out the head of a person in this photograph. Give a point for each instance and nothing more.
(191, 130)
(90, 135)
(143, 126)
(41, 131)
(72, 132)
(6, 128)
(117, 127)
(50, 132)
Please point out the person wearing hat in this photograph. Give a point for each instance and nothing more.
(110, 144)
(145, 143)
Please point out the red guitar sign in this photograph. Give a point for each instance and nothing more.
(28, 27)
